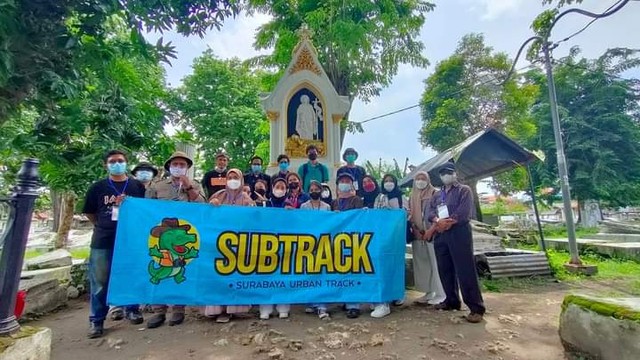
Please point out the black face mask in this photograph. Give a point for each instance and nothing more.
(313, 156)
(261, 192)
(315, 195)
(294, 185)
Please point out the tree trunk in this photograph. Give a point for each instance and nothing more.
(56, 203)
(68, 206)
(476, 201)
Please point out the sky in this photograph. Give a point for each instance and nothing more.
(504, 23)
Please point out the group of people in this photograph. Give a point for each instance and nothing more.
(440, 233)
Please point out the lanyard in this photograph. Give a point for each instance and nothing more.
(124, 188)
(443, 195)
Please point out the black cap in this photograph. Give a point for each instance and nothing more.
(346, 175)
(449, 166)
(145, 166)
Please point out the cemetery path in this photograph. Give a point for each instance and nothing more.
(519, 325)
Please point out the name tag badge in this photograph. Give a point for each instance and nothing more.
(115, 211)
(355, 185)
(443, 211)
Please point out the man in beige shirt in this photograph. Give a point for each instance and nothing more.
(177, 187)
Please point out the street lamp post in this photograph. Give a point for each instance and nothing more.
(575, 264)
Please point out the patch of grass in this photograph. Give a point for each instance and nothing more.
(560, 231)
(80, 253)
(30, 254)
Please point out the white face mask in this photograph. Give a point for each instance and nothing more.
(144, 175)
(448, 179)
(177, 171)
(278, 193)
(325, 194)
(389, 186)
(233, 184)
(421, 184)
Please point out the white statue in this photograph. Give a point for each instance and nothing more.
(307, 119)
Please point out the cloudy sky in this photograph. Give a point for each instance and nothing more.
(505, 24)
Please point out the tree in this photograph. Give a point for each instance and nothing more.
(120, 106)
(46, 45)
(465, 95)
(220, 103)
(360, 43)
(600, 117)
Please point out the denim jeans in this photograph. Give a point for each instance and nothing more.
(99, 271)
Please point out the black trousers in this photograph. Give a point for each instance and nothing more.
(457, 268)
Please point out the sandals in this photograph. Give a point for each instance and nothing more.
(223, 318)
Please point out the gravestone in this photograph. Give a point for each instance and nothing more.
(304, 109)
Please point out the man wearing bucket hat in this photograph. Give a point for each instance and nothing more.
(450, 210)
(145, 173)
(357, 172)
(177, 187)
(216, 179)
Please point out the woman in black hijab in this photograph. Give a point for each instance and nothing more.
(391, 189)
(370, 191)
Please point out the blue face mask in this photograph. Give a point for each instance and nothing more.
(283, 166)
(144, 175)
(256, 168)
(117, 168)
(343, 187)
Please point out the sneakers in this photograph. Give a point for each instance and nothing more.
(423, 300)
(265, 315)
(156, 321)
(176, 319)
(283, 315)
(353, 313)
(135, 317)
(323, 314)
(474, 318)
(117, 314)
(380, 311)
(398, 302)
(309, 310)
(96, 330)
(223, 318)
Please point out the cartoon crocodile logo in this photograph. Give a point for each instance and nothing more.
(172, 251)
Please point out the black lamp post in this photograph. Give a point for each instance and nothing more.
(15, 243)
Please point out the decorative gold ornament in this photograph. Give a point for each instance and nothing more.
(336, 118)
(305, 62)
(297, 148)
(273, 115)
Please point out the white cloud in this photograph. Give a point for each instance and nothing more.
(237, 37)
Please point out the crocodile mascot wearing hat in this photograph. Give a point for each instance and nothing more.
(172, 250)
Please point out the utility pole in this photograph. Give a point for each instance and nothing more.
(575, 264)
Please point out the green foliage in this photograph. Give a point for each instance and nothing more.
(46, 47)
(465, 95)
(599, 115)
(360, 43)
(560, 231)
(383, 168)
(501, 207)
(220, 103)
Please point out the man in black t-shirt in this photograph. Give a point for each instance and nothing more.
(216, 179)
(101, 207)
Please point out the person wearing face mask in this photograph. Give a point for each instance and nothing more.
(254, 174)
(101, 208)
(357, 172)
(450, 210)
(216, 179)
(278, 194)
(233, 195)
(283, 168)
(425, 267)
(390, 197)
(145, 173)
(259, 195)
(295, 196)
(313, 169)
(178, 187)
(326, 195)
(316, 203)
(348, 200)
(370, 191)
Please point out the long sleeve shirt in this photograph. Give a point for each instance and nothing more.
(459, 201)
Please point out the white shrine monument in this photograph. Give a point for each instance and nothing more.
(303, 109)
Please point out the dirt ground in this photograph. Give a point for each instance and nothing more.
(518, 325)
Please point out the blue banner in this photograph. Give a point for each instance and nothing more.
(170, 252)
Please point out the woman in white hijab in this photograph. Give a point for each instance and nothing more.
(425, 268)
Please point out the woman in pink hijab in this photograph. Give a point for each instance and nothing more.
(232, 194)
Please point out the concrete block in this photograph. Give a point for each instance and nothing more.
(43, 295)
(54, 259)
(601, 328)
(29, 343)
(62, 274)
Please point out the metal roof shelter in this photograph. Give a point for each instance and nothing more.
(483, 154)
